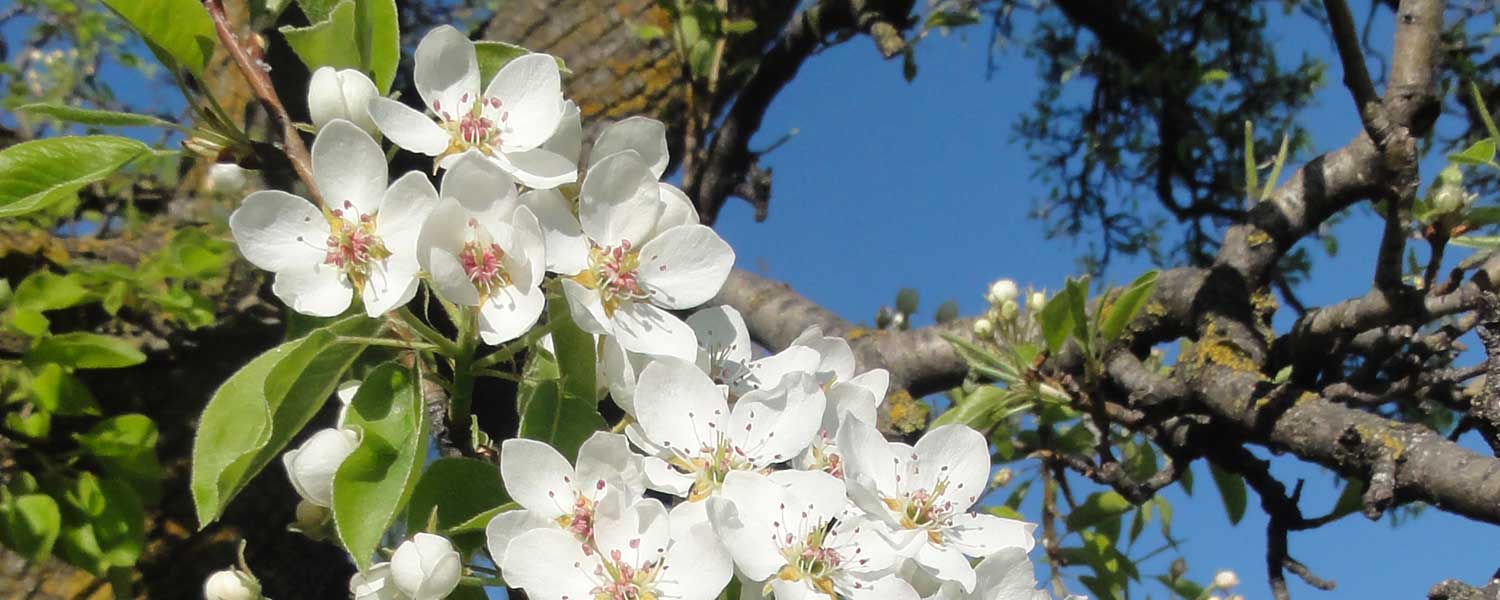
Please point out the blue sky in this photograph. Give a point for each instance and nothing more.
(889, 185)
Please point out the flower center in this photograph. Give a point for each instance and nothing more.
(811, 552)
(924, 509)
(622, 581)
(613, 270)
(824, 457)
(476, 123)
(482, 261)
(352, 245)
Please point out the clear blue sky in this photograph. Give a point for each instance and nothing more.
(890, 185)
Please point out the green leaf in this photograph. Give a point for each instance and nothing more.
(126, 447)
(1350, 500)
(1127, 305)
(493, 55)
(254, 413)
(177, 29)
(1098, 507)
(379, 40)
(740, 26)
(83, 350)
(1484, 113)
(103, 524)
(983, 361)
(332, 42)
(89, 116)
(43, 291)
(1181, 587)
(1232, 489)
(565, 413)
(37, 174)
(373, 484)
(1483, 242)
(1481, 153)
(29, 524)
(1483, 215)
(649, 32)
(317, 10)
(28, 322)
(55, 390)
(1214, 76)
(461, 489)
(1078, 297)
(1057, 319)
(977, 410)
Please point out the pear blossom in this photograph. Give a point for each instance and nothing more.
(693, 439)
(362, 242)
(375, 584)
(341, 94)
(554, 494)
(508, 122)
(922, 495)
(226, 178)
(723, 354)
(231, 584)
(636, 553)
(311, 466)
(858, 398)
(789, 533)
(1004, 575)
(635, 268)
(425, 567)
(480, 248)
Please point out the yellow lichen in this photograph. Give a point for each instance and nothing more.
(1215, 348)
(903, 414)
(1257, 238)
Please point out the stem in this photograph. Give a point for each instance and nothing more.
(260, 83)
(444, 345)
(383, 342)
(497, 374)
(508, 351)
(462, 395)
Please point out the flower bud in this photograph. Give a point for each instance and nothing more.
(1448, 194)
(1036, 301)
(341, 94)
(898, 320)
(1001, 477)
(311, 516)
(231, 584)
(984, 328)
(1009, 309)
(226, 178)
(374, 584)
(426, 567)
(311, 467)
(1226, 579)
(1002, 291)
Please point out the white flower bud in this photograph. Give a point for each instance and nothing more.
(1008, 310)
(226, 178)
(426, 567)
(1001, 477)
(341, 94)
(230, 584)
(1226, 579)
(374, 584)
(1002, 291)
(311, 516)
(984, 328)
(1215, 597)
(1036, 301)
(311, 467)
(897, 320)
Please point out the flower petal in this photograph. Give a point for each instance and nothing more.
(510, 312)
(586, 308)
(438, 246)
(823, 495)
(508, 526)
(317, 291)
(408, 127)
(868, 458)
(678, 407)
(982, 534)
(646, 136)
(619, 372)
(446, 69)
(525, 253)
(485, 190)
(567, 248)
(606, 457)
(661, 477)
(775, 425)
(277, 231)
(537, 477)
(568, 139)
(553, 567)
(747, 514)
(1007, 574)
(945, 563)
(722, 332)
(530, 92)
(685, 266)
(349, 168)
(697, 566)
(644, 328)
(958, 454)
(619, 200)
(677, 209)
(538, 168)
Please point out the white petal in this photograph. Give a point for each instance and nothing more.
(539, 168)
(426, 567)
(510, 312)
(849, 399)
(525, 255)
(795, 590)
(407, 127)
(721, 330)
(374, 584)
(696, 567)
(775, 425)
(607, 457)
(744, 514)
(661, 477)
(349, 167)
(620, 373)
(438, 246)
(640, 533)
(888, 588)
(1006, 574)
(485, 191)
(982, 534)
(677, 209)
(685, 266)
(277, 231)
(546, 570)
(868, 457)
(837, 357)
(508, 526)
(769, 371)
(568, 139)
(405, 208)
(567, 248)
(947, 564)
(678, 407)
(537, 477)
(646, 136)
(958, 454)
(325, 97)
(446, 69)
(878, 381)
(619, 201)
(318, 291)
(311, 466)
(530, 91)
(586, 308)
(393, 286)
(644, 328)
(823, 494)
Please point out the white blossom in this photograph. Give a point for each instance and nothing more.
(341, 94)
(922, 494)
(1226, 579)
(553, 493)
(363, 241)
(481, 248)
(1004, 575)
(230, 584)
(375, 584)
(426, 567)
(311, 466)
(636, 554)
(226, 178)
(508, 122)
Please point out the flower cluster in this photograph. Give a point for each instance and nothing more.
(766, 469)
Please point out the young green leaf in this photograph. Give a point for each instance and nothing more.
(1127, 305)
(1481, 153)
(1057, 319)
(37, 174)
(83, 350)
(564, 412)
(332, 42)
(89, 116)
(379, 38)
(44, 290)
(254, 413)
(1095, 509)
(376, 480)
(460, 489)
(178, 31)
(126, 447)
(1232, 489)
(57, 391)
(493, 55)
(29, 524)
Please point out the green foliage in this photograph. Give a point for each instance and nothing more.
(88, 116)
(493, 55)
(179, 32)
(563, 412)
(82, 350)
(459, 496)
(29, 524)
(1124, 307)
(375, 481)
(1232, 490)
(37, 174)
(371, 26)
(255, 412)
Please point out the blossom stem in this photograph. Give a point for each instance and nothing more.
(444, 345)
(509, 351)
(383, 342)
(462, 394)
